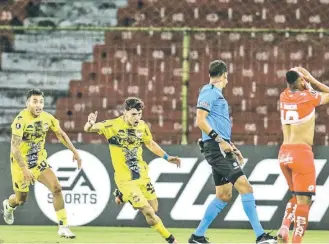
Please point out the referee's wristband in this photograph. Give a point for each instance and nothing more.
(166, 156)
(213, 134)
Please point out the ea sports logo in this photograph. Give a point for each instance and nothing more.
(86, 191)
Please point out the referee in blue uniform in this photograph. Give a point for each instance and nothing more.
(224, 158)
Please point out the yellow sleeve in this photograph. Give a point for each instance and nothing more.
(147, 136)
(54, 124)
(18, 125)
(105, 128)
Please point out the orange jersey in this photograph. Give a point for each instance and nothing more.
(298, 106)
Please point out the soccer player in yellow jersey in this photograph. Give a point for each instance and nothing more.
(126, 135)
(29, 158)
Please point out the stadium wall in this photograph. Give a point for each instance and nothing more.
(183, 193)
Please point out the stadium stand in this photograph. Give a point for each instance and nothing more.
(47, 60)
(82, 72)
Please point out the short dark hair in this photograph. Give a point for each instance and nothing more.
(292, 77)
(133, 102)
(217, 68)
(34, 92)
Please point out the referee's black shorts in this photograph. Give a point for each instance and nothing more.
(225, 168)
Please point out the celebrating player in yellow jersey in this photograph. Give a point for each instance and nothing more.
(126, 135)
(29, 158)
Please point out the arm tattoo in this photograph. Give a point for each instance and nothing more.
(15, 143)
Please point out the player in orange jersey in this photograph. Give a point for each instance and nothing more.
(297, 106)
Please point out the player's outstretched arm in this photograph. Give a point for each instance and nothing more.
(157, 150)
(91, 125)
(66, 141)
(15, 144)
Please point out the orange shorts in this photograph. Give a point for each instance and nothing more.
(297, 165)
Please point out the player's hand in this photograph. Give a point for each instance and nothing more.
(92, 117)
(174, 160)
(239, 157)
(28, 176)
(225, 146)
(76, 157)
(304, 72)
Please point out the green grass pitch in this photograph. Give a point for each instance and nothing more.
(48, 234)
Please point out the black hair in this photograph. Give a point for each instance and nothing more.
(133, 102)
(217, 68)
(34, 92)
(292, 77)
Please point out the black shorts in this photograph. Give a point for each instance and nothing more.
(225, 168)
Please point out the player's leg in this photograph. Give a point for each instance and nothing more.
(289, 214)
(10, 205)
(223, 196)
(119, 199)
(154, 204)
(304, 181)
(148, 191)
(237, 177)
(21, 190)
(135, 192)
(49, 179)
(304, 203)
(249, 205)
(156, 223)
(17, 199)
(216, 159)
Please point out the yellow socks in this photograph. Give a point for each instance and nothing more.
(61, 217)
(161, 229)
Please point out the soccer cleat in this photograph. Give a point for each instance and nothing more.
(118, 196)
(8, 212)
(266, 238)
(65, 232)
(171, 239)
(283, 234)
(198, 239)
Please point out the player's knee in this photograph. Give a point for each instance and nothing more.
(149, 214)
(304, 199)
(249, 188)
(57, 189)
(156, 208)
(224, 196)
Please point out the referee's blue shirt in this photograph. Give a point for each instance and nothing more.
(212, 100)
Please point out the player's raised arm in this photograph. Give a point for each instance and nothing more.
(91, 125)
(317, 85)
(65, 140)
